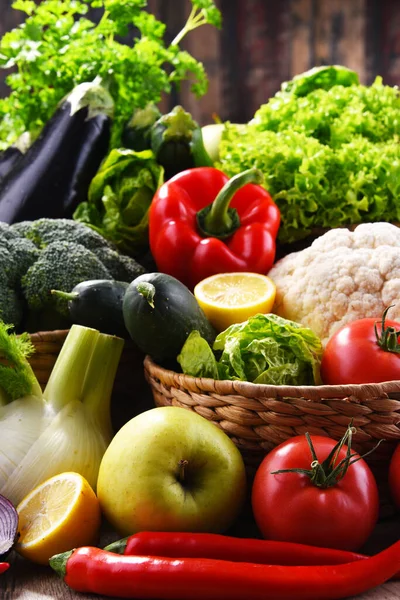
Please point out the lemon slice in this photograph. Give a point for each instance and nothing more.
(228, 298)
(60, 514)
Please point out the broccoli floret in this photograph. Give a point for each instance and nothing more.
(7, 232)
(11, 302)
(6, 265)
(121, 267)
(43, 232)
(22, 254)
(60, 266)
(21, 229)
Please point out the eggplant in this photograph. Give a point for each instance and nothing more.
(8, 159)
(10, 156)
(54, 175)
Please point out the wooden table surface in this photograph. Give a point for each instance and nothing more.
(26, 581)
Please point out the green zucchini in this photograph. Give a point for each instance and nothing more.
(177, 143)
(137, 133)
(97, 303)
(159, 313)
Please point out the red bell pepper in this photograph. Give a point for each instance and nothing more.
(201, 223)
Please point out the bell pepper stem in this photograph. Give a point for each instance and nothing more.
(218, 219)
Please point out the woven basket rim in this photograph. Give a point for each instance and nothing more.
(54, 333)
(249, 389)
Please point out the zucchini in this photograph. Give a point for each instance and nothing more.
(137, 133)
(177, 143)
(54, 174)
(159, 313)
(97, 303)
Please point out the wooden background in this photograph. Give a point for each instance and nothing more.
(264, 42)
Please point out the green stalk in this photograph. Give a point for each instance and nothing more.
(117, 547)
(195, 19)
(218, 219)
(99, 379)
(65, 295)
(58, 562)
(68, 375)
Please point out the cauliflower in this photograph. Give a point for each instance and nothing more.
(344, 275)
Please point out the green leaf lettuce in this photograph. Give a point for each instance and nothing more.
(120, 195)
(264, 349)
(329, 151)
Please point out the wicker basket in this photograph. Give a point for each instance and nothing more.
(131, 393)
(259, 417)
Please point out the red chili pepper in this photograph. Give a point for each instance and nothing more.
(201, 223)
(3, 567)
(93, 570)
(224, 547)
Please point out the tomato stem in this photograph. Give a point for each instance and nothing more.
(330, 472)
(388, 339)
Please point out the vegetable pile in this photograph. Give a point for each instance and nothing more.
(95, 183)
(328, 149)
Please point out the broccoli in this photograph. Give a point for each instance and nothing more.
(45, 231)
(7, 233)
(121, 267)
(61, 265)
(23, 254)
(11, 302)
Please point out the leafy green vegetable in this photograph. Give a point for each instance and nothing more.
(264, 349)
(329, 158)
(120, 195)
(59, 46)
(197, 358)
(323, 77)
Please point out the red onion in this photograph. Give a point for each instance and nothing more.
(8, 526)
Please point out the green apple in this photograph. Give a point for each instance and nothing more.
(169, 469)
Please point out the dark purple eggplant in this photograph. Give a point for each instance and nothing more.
(53, 176)
(10, 156)
(8, 159)
(8, 526)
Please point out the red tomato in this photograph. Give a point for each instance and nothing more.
(394, 476)
(289, 507)
(352, 355)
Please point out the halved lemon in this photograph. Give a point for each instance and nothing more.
(60, 514)
(228, 298)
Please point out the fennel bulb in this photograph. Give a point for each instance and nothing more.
(68, 426)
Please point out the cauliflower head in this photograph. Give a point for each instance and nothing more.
(343, 276)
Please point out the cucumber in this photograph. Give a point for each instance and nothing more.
(97, 303)
(159, 313)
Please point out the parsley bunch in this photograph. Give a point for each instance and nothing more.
(59, 46)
